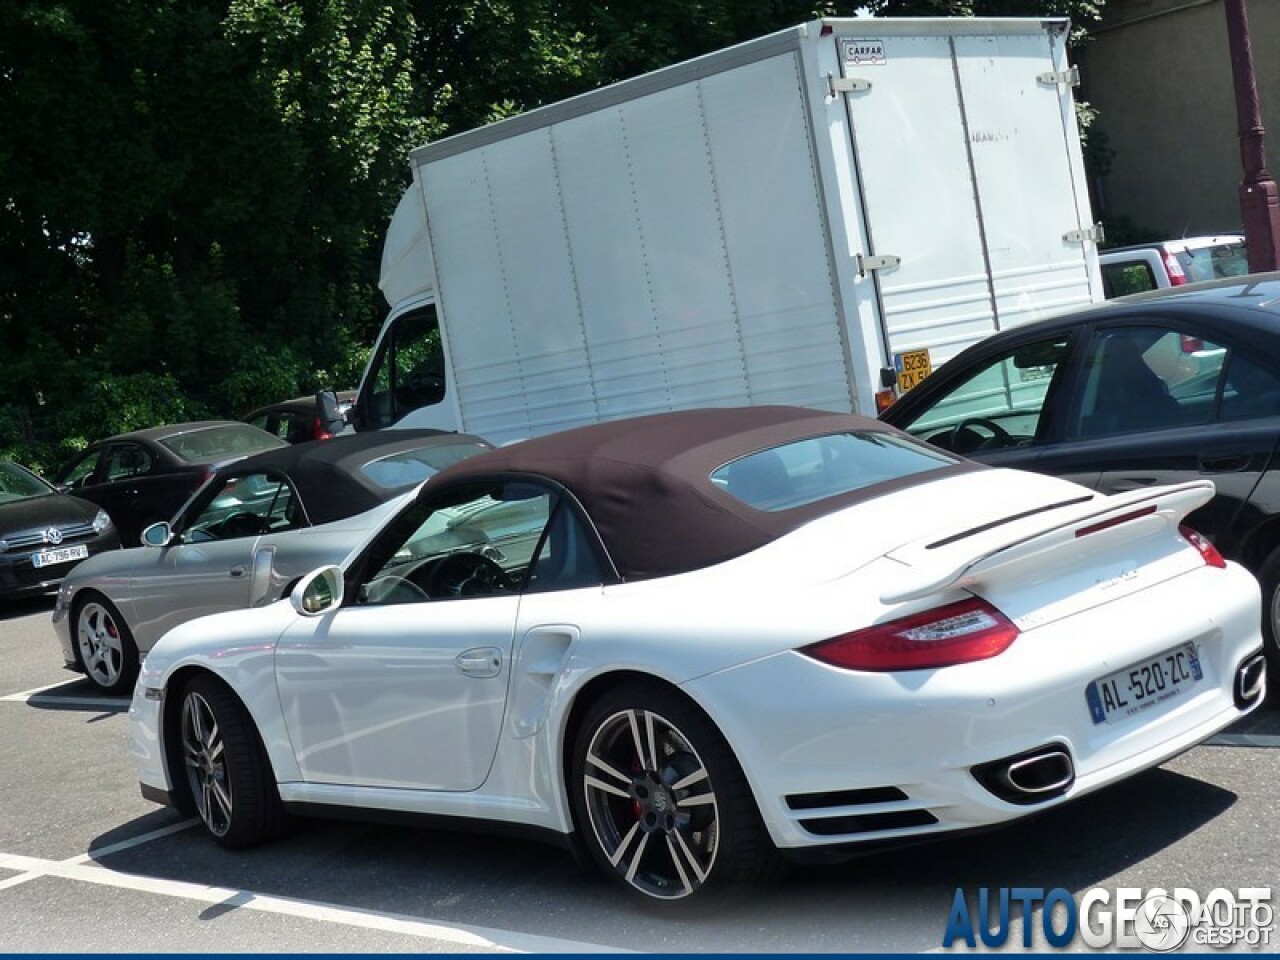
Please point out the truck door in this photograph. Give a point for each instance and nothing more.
(968, 176)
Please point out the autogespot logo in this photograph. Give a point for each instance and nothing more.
(1156, 920)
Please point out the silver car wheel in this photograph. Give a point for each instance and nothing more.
(204, 756)
(105, 646)
(651, 804)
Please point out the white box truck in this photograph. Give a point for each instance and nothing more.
(809, 218)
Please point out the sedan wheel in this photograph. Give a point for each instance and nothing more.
(105, 645)
(227, 771)
(660, 800)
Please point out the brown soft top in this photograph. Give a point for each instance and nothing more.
(645, 481)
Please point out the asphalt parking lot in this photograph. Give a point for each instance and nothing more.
(87, 865)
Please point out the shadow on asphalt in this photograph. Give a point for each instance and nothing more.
(13, 609)
(79, 694)
(902, 895)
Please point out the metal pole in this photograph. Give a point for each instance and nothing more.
(1259, 201)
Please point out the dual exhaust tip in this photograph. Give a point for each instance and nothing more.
(1251, 681)
(1048, 771)
(1035, 776)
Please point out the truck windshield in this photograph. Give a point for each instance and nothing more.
(407, 372)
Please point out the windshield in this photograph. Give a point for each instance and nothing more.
(207, 444)
(18, 483)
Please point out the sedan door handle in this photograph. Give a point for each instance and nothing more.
(1122, 484)
(1231, 463)
(239, 570)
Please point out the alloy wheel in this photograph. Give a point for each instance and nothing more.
(204, 756)
(101, 645)
(651, 804)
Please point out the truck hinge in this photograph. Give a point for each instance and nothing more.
(1094, 233)
(838, 85)
(883, 262)
(1068, 78)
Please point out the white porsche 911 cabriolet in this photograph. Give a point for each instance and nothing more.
(690, 643)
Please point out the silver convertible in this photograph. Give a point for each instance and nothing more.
(251, 529)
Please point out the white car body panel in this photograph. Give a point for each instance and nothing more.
(408, 731)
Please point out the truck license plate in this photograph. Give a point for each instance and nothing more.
(47, 558)
(1129, 691)
(912, 366)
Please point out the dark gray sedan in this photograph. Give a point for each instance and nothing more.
(251, 530)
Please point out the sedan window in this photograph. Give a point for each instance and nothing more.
(127, 460)
(1147, 378)
(81, 471)
(1001, 404)
(1250, 391)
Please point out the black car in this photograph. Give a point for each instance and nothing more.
(298, 420)
(146, 475)
(44, 533)
(1172, 385)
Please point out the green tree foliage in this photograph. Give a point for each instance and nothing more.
(193, 193)
(187, 186)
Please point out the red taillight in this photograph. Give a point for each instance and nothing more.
(1206, 549)
(1171, 265)
(960, 632)
(884, 400)
(320, 432)
(1191, 344)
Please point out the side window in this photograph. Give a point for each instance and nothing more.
(81, 472)
(408, 371)
(1120, 279)
(246, 506)
(126, 460)
(477, 541)
(1147, 378)
(1002, 404)
(1249, 390)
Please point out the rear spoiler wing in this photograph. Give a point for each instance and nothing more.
(968, 557)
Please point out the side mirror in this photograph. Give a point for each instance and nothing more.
(331, 419)
(318, 592)
(157, 535)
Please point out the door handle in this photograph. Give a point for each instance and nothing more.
(239, 570)
(1230, 463)
(480, 662)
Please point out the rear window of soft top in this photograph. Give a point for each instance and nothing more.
(813, 469)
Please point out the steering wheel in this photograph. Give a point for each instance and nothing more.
(467, 575)
(394, 589)
(964, 438)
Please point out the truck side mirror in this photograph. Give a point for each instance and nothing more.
(332, 421)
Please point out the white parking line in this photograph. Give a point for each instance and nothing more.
(37, 695)
(455, 935)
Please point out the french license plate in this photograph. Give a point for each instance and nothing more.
(48, 558)
(912, 366)
(1139, 687)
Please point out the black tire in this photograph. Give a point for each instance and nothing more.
(104, 645)
(1269, 579)
(225, 767)
(663, 807)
